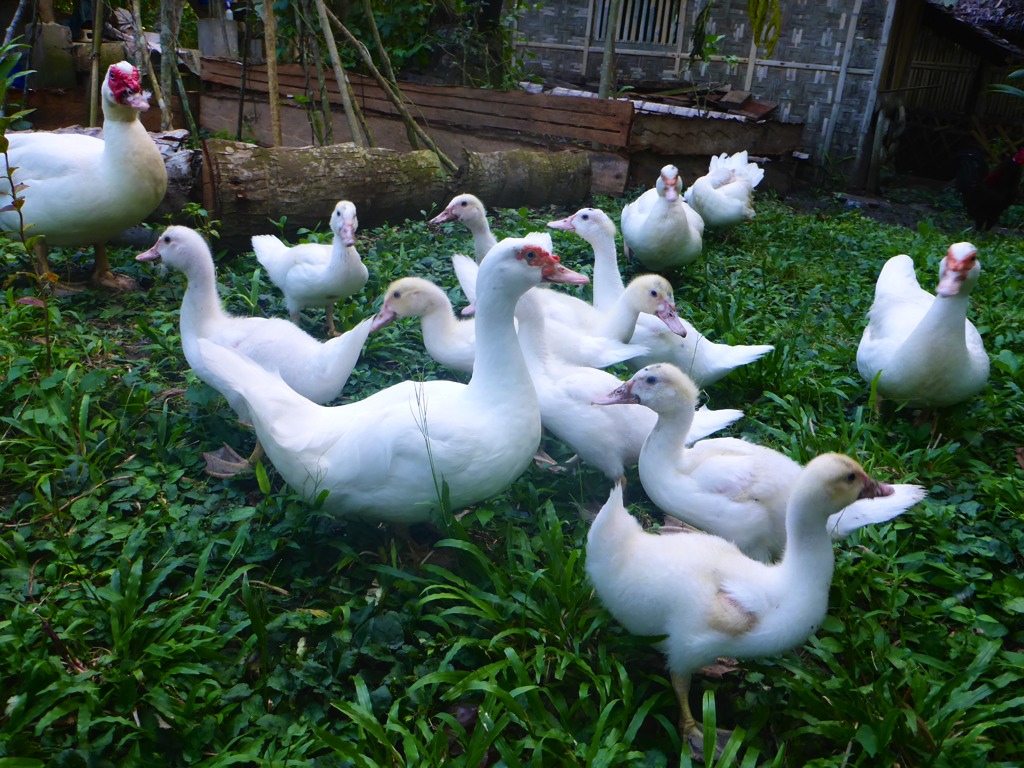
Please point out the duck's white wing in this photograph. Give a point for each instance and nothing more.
(877, 510)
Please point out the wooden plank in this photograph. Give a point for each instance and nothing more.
(605, 121)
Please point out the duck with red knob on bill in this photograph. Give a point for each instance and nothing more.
(387, 457)
(81, 190)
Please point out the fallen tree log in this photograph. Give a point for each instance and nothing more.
(248, 188)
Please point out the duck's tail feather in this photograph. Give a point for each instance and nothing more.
(877, 510)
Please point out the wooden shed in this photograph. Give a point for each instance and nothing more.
(868, 81)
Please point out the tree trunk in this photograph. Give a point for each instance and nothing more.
(245, 187)
(522, 177)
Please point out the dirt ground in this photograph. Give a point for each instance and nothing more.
(906, 202)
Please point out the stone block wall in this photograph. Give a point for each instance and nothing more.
(820, 74)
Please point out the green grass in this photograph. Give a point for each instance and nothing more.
(154, 616)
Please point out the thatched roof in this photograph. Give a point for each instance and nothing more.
(1000, 21)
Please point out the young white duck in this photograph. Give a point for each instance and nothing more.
(80, 190)
(727, 486)
(387, 457)
(317, 371)
(724, 196)
(707, 598)
(659, 228)
(316, 274)
(448, 339)
(702, 359)
(469, 211)
(609, 439)
(928, 352)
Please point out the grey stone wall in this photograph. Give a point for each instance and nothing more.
(803, 76)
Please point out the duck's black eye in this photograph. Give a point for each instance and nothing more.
(585, 216)
(167, 238)
(654, 292)
(851, 477)
(397, 294)
(464, 203)
(651, 379)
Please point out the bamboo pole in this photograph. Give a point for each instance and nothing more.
(394, 96)
(339, 75)
(611, 31)
(145, 64)
(270, 44)
(94, 72)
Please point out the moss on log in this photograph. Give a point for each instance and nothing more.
(247, 187)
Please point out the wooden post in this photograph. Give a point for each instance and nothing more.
(270, 44)
(94, 72)
(339, 75)
(611, 30)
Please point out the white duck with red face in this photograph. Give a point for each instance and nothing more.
(659, 228)
(927, 351)
(388, 456)
(80, 190)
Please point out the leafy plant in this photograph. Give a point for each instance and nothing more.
(150, 613)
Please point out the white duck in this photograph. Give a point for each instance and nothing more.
(317, 371)
(702, 359)
(659, 228)
(724, 195)
(579, 333)
(469, 211)
(316, 274)
(609, 439)
(448, 339)
(928, 352)
(727, 486)
(387, 457)
(708, 599)
(80, 190)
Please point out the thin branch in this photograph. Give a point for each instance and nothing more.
(339, 75)
(394, 95)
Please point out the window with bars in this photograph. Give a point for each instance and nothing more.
(653, 22)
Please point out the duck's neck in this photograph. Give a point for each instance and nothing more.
(608, 286)
(201, 307)
(619, 320)
(498, 364)
(439, 322)
(941, 333)
(483, 239)
(609, 540)
(666, 444)
(808, 559)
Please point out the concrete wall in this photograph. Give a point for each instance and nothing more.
(821, 73)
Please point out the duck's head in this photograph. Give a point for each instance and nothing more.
(588, 223)
(344, 222)
(179, 248)
(959, 271)
(525, 262)
(833, 481)
(463, 208)
(122, 86)
(406, 297)
(668, 183)
(652, 294)
(662, 387)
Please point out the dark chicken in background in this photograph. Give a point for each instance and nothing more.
(987, 192)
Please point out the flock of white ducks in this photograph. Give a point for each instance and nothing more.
(759, 572)
(755, 582)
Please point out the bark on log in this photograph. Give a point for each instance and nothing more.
(247, 187)
(522, 177)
